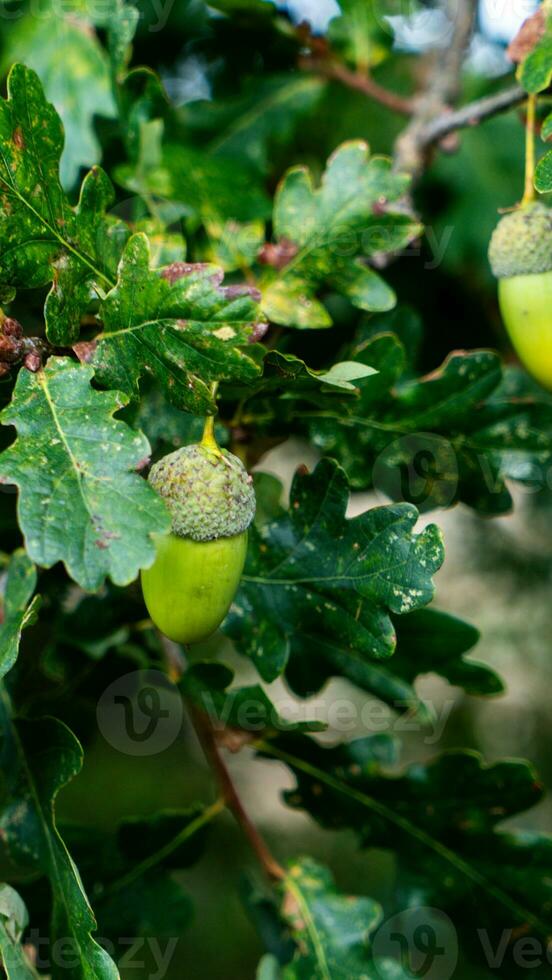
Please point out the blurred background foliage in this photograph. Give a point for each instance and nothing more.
(237, 95)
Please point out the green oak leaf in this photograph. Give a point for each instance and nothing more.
(19, 609)
(38, 759)
(206, 187)
(131, 870)
(315, 573)
(442, 819)
(14, 919)
(245, 128)
(327, 235)
(543, 175)
(288, 377)
(535, 71)
(453, 435)
(268, 969)
(42, 239)
(333, 933)
(63, 48)
(165, 426)
(265, 7)
(73, 466)
(232, 244)
(428, 641)
(179, 324)
(246, 709)
(121, 22)
(361, 32)
(331, 930)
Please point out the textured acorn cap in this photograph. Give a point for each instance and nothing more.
(208, 492)
(521, 244)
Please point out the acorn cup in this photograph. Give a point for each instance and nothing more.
(520, 254)
(190, 586)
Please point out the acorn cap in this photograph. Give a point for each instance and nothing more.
(521, 244)
(208, 492)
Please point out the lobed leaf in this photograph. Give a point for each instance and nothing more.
(453, 435)
(14, 919)
(441, 818)
(313, 573)
(42, 239)
(543, 175)
(329, 233)
(178, 324)
(428, 641)
(79, 501)
(38, 759)
(19, 608)
(535, 71)
(63, 48)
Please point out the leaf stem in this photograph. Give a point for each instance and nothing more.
(529, 193)
(153, 860)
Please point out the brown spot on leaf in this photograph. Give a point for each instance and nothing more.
(240, 289)
(18, 138)
(278, 255)
(85, 350)
(528, 36)
(259, 330)
(179, 270)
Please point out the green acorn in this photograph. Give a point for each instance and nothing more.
(190, 587)
(520, 254)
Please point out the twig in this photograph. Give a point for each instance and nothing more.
(360, 82)
(175, 663)
(471, 114)
(441, 90)
(208, 742)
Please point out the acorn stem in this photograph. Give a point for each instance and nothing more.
(208, 438)
(529, 194)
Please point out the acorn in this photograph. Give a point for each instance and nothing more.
(190, 586)
(520, 254)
